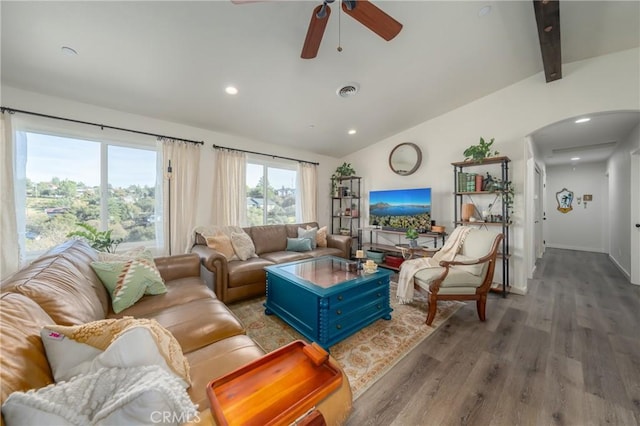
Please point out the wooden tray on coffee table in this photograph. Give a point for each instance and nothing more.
(275, 389)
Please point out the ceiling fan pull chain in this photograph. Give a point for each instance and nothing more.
(340, 28)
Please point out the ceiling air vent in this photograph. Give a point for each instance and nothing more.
(348, 90)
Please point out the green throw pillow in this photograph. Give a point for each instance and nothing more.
(127, 281)
(140, 253)
(298, 244)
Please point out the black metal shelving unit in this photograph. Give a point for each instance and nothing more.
(346, 209)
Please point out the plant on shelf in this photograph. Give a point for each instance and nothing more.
(345, 170)
(480, 151)
(412, 236)
(99, 240)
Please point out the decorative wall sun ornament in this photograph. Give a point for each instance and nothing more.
(564, 198)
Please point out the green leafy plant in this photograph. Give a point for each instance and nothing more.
(344, 170)
(480, 151)
(99, 240)
(411, 234)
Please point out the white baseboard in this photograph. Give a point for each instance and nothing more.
(624, 271)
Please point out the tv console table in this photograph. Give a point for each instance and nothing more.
(390, 241)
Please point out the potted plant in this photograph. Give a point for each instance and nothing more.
(344, 170)
(412, 236)
(480, 151)
(99, 240)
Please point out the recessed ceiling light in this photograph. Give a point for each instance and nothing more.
(484, 11)
(352, 132)
(583, 120)
(575, 158)
(231, 90)
(68, 51)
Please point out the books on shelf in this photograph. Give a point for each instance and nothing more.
(468, 182)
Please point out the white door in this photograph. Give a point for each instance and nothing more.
(537, 214)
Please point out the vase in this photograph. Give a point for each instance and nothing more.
(413, 243)
(467, 211)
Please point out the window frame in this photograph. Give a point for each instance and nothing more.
(276, 164)
(104, 137)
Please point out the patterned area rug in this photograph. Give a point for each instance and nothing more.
(365, 356)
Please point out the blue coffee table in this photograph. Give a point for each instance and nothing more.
(324, 300)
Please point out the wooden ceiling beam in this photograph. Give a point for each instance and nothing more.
(548, 20)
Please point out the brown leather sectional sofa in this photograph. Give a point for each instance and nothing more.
(61, 288)
(242, 279)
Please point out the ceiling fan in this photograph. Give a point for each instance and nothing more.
(362, 11)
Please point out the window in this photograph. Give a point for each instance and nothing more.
(271, 193)
(73, 180)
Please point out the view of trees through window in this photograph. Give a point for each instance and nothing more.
(274, 188)
(64, 187)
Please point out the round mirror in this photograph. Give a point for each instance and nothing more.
(405, 158)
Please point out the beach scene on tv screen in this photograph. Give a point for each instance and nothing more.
(400, 209)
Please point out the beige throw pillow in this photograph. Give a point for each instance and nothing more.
(321, 236)
(243, 245)
(221, 243)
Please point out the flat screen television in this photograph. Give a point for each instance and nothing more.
(400, 209)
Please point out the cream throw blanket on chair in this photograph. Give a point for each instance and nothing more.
(409, 268)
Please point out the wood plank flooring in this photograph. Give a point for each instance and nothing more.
(567, 353)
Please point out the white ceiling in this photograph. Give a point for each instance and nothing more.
(172, 60)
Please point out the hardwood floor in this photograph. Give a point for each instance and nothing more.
(567, 353)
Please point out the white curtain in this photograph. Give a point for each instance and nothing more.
(230, 188)
(180, 192)
(9, 227)
(307, 193)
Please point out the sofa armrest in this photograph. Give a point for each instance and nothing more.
(215, 262)
(178, 266)
(342, 242)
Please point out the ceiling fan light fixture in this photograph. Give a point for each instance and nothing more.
(348, 90)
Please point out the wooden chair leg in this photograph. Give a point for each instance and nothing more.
(481, 305)
(432, 308)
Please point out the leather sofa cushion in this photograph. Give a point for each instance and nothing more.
(286, 256)
(62, 290)
(247, 271)
(269, 238)
(216, 360)
(179, 291)
(81, 254)
(199, 323)
(24, 361)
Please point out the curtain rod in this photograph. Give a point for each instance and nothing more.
(102, 126)
(266, 155)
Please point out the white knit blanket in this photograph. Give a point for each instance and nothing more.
(97, 398)
(410, 268)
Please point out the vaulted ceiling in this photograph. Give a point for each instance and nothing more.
(172, 60)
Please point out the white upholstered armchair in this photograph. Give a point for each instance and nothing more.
(467, 277)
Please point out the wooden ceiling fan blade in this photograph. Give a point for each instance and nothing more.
(315, 32)
(373, 18)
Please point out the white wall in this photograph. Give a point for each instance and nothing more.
(620, 207)
(508, 115)
(586, 226)
(31, 101)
